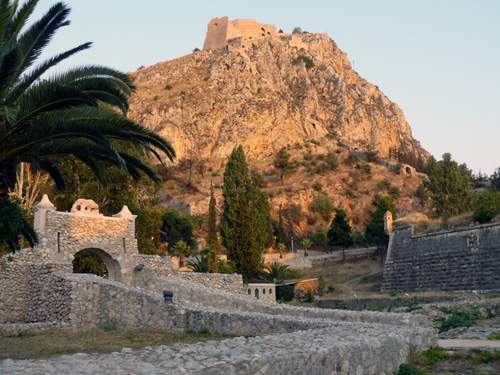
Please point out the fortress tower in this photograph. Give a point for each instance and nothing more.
(221, 30)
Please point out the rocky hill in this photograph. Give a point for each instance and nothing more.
(297, 91)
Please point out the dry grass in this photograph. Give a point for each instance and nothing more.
(59, 342)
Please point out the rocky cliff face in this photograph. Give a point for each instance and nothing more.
(274, 92)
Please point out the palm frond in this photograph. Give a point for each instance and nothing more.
(29, 78)
(22, 16)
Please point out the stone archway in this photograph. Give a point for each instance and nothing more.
(113, 268)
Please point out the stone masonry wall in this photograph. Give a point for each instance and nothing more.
(464, 259)
(229, 282)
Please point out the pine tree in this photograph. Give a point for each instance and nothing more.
(283, 164)
(245, 222)
(340, 232)
(212, 239)
(449, 186)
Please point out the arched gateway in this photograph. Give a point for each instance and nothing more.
(64, 234)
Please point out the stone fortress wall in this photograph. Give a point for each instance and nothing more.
(221, 30)
(281, 339)
(462, 259)
(38, 291)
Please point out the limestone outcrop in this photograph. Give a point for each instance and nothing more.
(267, 93)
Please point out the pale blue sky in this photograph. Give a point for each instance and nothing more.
(438, 59)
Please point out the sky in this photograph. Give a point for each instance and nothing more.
(439, 60)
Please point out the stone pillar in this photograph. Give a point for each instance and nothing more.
(388, 220)
(41, 215)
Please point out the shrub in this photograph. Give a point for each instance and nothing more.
(394, 192)
(486, 206)
(432, 356)
(322, 205)
(421, 193)
(308, 62)
(317, 186)
(406, 369)
(455, 318)
(319, 238)
(285, 293)
(225, 266)
(297, 30)
(199, 263)
(294, 213)
(168, 87)
(384, 184)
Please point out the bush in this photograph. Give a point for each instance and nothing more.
(406, 369)
(294, 213)
(319, 238)
(297, 30)
(225, 266)
(455, 318)
(168, 87)
(308, 62)
(432, 356)
(322, 205)
(317, 186)
(486, 206)
(285, 293)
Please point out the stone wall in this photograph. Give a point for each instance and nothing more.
(221, 30)
(195, 295)
(229, 282)
(463, 259)
(19, 282)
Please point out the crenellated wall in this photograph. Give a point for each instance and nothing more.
(462, 259)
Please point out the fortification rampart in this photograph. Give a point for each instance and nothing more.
(462, 259)
(221, 30)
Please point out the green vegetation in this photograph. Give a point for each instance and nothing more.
(494, 336)
(340, 232)
(284, 164)
(181, 250)
(297, 30)
(322, 205)
(495, 179)
(317, 186)
(246, 221)
(449, 186)
(486, 206)
(177, 227)
(77, 114)
(87, 262)
(308, 62)
(102, 340)
(278, 272)
(306, 244)
(375, 233)
(455, 318)
(406, 369)
(294, 213)
(432, 356)
(280, 232)
(213, 245)
(200, 263)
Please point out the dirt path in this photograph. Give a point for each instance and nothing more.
(459, 344)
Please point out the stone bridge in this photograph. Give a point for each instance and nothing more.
(64, 234)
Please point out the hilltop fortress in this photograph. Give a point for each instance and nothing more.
(221, 30)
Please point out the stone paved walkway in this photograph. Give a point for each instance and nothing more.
(346, 348)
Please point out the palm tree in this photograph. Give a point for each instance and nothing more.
(306, 244)
(44, 120)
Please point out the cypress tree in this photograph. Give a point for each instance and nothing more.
(245, 222)
(340, 232)
(280, 233)
(212, 240)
